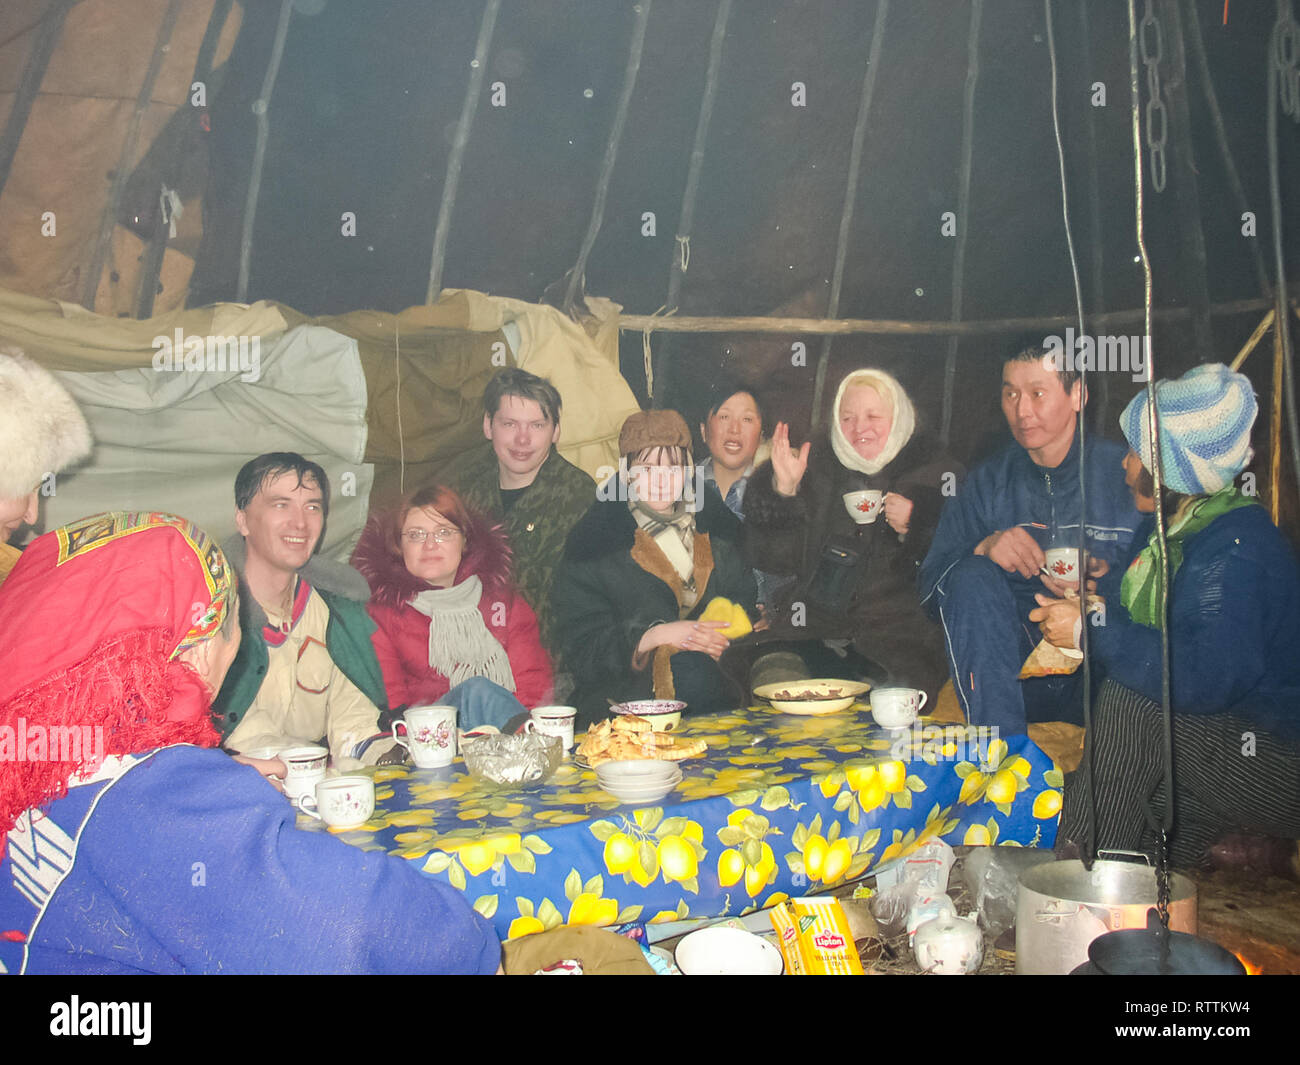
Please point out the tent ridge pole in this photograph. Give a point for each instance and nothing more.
(963, 210)
(261, 108)
(48, 31)
(104, 239)
(457, 157)
(850, 198)
(642, 10)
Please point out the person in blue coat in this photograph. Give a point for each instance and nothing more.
(1234, 639)
(985, 564)
(128, 844)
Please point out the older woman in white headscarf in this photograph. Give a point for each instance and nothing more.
(855, 581)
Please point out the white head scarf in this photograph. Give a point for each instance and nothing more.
(899, 434)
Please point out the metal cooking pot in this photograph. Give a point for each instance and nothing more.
(1061, 907)
(1158, 952)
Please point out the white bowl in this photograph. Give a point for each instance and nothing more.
(727, 952)
(643, 793)
(635, 772)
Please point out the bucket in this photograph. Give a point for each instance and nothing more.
(1061, 907)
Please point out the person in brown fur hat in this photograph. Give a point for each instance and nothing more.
(638, 571)
(41, 433)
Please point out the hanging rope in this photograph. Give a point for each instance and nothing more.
(647, 356)
(1153, 430)
(401, 437)
(1090, 848)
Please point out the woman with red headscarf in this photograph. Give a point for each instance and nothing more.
(115, 632)
(451, 629)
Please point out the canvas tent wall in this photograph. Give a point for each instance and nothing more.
(381, 401)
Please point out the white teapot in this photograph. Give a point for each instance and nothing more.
(949, 946)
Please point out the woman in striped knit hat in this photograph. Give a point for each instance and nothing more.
(1234, 634)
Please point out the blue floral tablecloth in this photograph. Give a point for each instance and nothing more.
(780, 806)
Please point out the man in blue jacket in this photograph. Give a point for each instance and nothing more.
(985, 563)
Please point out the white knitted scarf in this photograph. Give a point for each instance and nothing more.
(460, 645)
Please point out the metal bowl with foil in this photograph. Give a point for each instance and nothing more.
(812, 698)
(524, 760)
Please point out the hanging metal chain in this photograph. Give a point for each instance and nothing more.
(1286, 57)
(1156, 116)
(1162, 878)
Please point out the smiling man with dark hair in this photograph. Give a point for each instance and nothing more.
(306, 671)
(984, 565)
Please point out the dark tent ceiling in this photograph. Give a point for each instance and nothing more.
(367, 98)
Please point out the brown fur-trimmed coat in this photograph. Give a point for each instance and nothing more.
(614, 583)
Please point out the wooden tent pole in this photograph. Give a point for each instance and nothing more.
(642, 10)
(108, 219)
(963, 211)
(260, 108)
(156, 248)
(1197, 49)
(38, 59)
(1186, 186)
(680, 251)
(850, 199)
(468, 109)
(898, 327)
(1255, 338)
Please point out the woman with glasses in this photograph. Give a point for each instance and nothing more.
(640, 569)
(451, 628)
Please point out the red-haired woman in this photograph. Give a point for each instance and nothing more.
(451, 627)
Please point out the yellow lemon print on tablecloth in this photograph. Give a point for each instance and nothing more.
(1002, 788)
(731, 867)
(814, 856)
(589, 908)
(620, 853)
(677, 858)
(1047, 804)
(525, 926)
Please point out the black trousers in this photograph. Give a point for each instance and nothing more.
(1229, 776)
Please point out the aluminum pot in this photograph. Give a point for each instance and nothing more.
(1061, 907)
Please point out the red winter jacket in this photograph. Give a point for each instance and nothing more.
(401, 639)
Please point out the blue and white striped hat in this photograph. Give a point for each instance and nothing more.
(1205, 421)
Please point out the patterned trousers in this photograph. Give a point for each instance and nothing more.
(1229, 776)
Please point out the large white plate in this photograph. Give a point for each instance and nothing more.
(849, 689)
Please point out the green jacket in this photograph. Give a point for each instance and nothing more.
(347, 638)
(537, 525)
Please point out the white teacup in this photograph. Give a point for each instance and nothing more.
(304, 769)
(430, 735)
(864, 506)
(343, 802)
(553, 721)
(896, 707)
(1063, 563)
